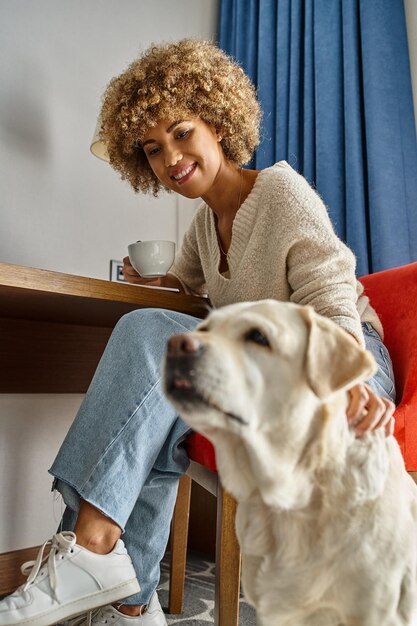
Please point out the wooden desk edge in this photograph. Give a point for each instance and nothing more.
(50, 282)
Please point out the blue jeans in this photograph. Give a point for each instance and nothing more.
(123, 453)
(383, 381)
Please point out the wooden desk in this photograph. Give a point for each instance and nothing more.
(54, 326)
(53, 330)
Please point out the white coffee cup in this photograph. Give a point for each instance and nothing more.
(152, 259)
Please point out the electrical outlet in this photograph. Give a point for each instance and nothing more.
(116, 274)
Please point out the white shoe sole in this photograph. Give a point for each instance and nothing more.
(82, 605)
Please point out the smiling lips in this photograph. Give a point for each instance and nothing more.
(185, 174)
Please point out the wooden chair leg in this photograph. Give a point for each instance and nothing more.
(179, 536)
(227, 589)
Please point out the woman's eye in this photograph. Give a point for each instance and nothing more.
(153, 151)
(182, 133)
(256, 336)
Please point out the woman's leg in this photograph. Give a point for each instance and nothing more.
(123, 453)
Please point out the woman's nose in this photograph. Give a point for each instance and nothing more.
(172, 157)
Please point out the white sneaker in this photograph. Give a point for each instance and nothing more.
(154, 616)
(73, 580)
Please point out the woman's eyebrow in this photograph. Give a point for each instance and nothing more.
(168, 130)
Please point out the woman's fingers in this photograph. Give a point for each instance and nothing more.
(128, 271)
(369, 411)
(389, 428)
(359, 397)
(132, 276)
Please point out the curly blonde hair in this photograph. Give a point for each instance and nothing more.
(190, 78)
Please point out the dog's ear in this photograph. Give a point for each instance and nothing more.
(334, 359)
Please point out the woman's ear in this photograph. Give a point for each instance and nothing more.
(219, 134)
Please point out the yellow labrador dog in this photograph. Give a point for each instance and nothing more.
(327, 523)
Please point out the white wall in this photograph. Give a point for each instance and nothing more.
(60, 207)
(31, 429)
(411, 17)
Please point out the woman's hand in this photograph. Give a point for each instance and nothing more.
(132, 276)
(368, 411)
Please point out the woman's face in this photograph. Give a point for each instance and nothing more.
(185, 155)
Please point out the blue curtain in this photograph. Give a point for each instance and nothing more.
(333, 79)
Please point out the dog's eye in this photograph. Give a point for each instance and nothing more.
(256, 336)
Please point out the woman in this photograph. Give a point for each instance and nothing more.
(183, 117)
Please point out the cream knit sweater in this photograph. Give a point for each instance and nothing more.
(283, 247)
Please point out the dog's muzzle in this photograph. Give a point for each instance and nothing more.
(184, 345)
(184, 354)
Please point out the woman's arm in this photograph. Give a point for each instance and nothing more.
(321, 272)
(320, 268)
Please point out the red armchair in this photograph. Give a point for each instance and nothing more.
(393, 293)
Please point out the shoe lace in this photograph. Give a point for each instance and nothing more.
(62, 542)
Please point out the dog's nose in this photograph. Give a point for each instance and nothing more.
(185, 344)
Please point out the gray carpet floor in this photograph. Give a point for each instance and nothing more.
(199, 595)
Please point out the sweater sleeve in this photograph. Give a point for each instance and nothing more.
(320, 267)
(187, 264)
